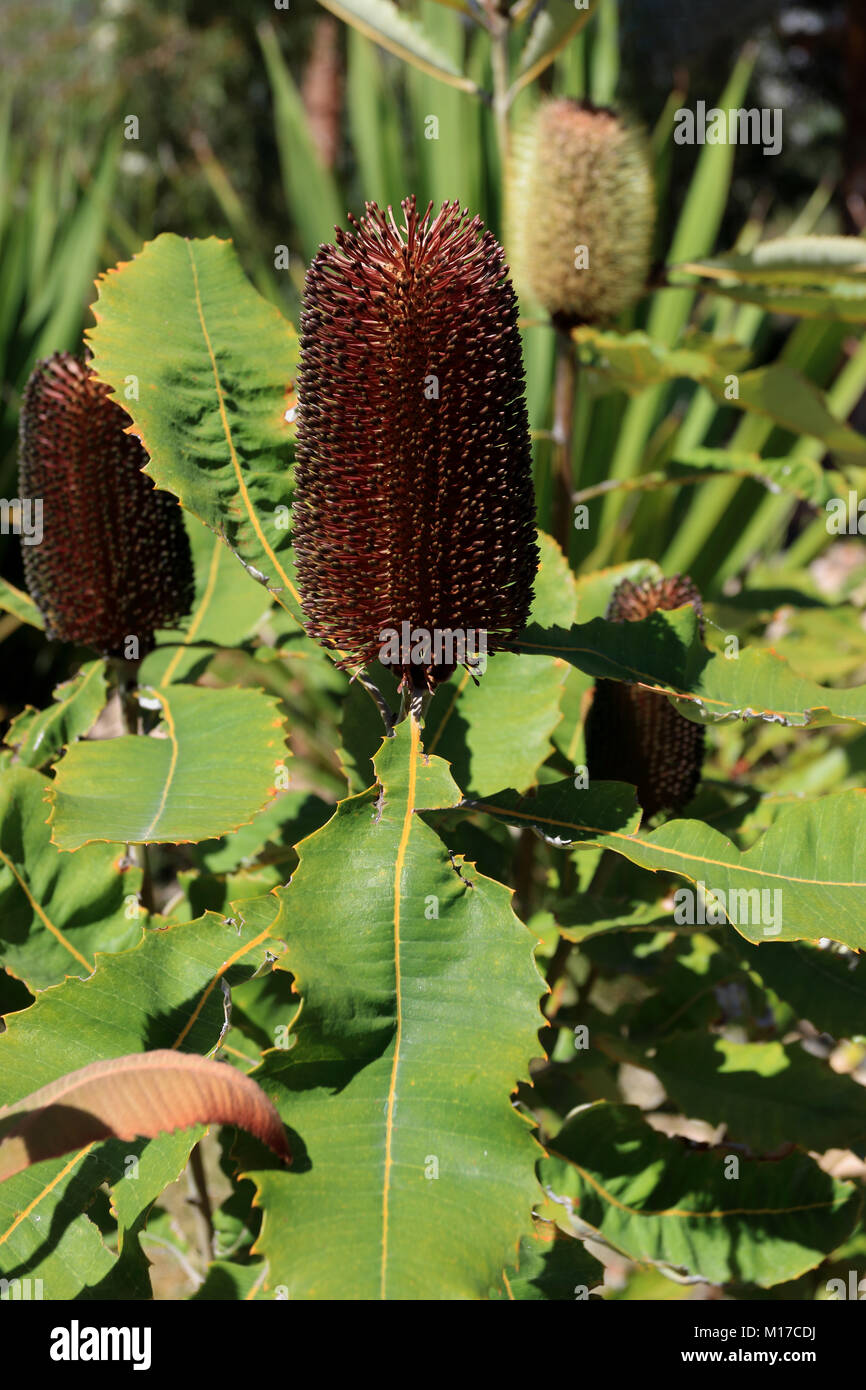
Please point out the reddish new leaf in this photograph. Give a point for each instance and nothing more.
(124, 1097)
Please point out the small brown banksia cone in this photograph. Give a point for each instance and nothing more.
(581, 212)
(634, 735)
(114, 561)
(414, 508)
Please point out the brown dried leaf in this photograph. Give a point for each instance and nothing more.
(125, 1097)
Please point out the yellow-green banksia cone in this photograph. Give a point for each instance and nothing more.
(636, 735)
(581, 212)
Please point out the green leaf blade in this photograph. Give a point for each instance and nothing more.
(415, 1025)
(655, 1199)
(214, 365)
(183, 794)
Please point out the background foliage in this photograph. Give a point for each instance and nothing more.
(701, 1043)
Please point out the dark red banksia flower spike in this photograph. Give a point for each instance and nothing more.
(414, 501)
(114, 561)
(635, 735)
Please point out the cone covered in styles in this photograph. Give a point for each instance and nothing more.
(414, 509)
(114, 561)
(581, 211)
(636, 735)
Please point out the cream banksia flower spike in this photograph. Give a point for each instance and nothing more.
(581, 212)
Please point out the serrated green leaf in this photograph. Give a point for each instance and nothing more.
(183, 793)
(602, 807)
(663, 652)
(226, 609)
(802, 879)
(551, 1267)
(290, 818)
(415, 1025)
(827, 988)
(767, 1094)
(15, 601)
(37, 736)
(587, 916)
(215, 365)
(655, 1199)
(164, 993)
(501, 729)
(57, 910)
(228, 1282)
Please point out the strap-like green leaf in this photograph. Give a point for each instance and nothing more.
(312, 197)
(633, 361)
(554, 26)
(801, 476)
(809, 276)
(388, 26)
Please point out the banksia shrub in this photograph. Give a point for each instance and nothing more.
(414, 501)
(634, 735)
(114, 561)
(581, 212)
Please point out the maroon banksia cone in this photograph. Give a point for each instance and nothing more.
(581, 211)
(414, 501)
(114, 561)
(634, 735)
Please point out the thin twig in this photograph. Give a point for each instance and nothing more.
(389, 718)
(201, 1203)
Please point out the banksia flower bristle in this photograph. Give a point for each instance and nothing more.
(581, 212)
(114, 561)
(635, 735)
(414, 507)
